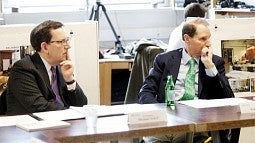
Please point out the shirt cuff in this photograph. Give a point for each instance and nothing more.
(71, 86)
(212, 72)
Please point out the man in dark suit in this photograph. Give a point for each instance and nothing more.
(30, 83)
(210, 79)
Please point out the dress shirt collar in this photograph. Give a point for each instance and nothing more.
(186, 57)
(46, 64)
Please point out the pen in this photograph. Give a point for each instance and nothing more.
(117, 114)
(37, 118)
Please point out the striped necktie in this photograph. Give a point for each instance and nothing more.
(54, 86)
(190, 81)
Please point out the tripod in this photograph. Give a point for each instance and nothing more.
(95, 11)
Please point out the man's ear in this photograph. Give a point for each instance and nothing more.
(44, 47)
(186, 37)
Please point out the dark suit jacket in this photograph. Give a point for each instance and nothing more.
(168, 63)
(29, 89)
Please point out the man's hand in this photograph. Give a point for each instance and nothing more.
(206, 57)
(67, 68)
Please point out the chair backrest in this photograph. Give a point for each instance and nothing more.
(143, 62)
(3, 90)
(3, 105)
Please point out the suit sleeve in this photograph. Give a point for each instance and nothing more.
(218, 87)
(224, 84)
(149, 91)
(75, 97)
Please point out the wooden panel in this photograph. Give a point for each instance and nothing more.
(105, 83)
(105, 69)
(120, 65)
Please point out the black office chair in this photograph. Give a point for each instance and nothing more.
(143, 62)
(3, 105)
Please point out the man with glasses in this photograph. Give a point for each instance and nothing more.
(44, 81)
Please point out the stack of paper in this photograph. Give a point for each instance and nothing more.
(13, 120)
(40, 125)
(59, 115)
(200, 103)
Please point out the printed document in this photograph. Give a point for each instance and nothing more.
(202, 103)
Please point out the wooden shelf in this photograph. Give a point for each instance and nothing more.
(105, 69)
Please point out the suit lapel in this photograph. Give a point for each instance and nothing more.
(200, 84)
(174, 64)
(36, 59)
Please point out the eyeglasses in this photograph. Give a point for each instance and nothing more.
(64, 42)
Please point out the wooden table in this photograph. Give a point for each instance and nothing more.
(184, 119)
(216, 118)
(116, 128)
(108, 128)
(105, 75)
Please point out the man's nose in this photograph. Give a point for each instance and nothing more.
(67, 46)
(208, 44)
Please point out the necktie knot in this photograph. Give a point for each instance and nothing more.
(192, 62)
(53, 71)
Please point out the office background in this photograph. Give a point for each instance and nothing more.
(155, 19)
(130, 23)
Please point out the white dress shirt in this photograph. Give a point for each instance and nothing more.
(175, 40)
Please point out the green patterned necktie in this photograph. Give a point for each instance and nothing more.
(190, 81)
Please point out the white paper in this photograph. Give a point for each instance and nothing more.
(40, 125)
(101, 110)
(59, 115)
(215, 102)
(117, 109)
(79, 112)
(13, 120)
